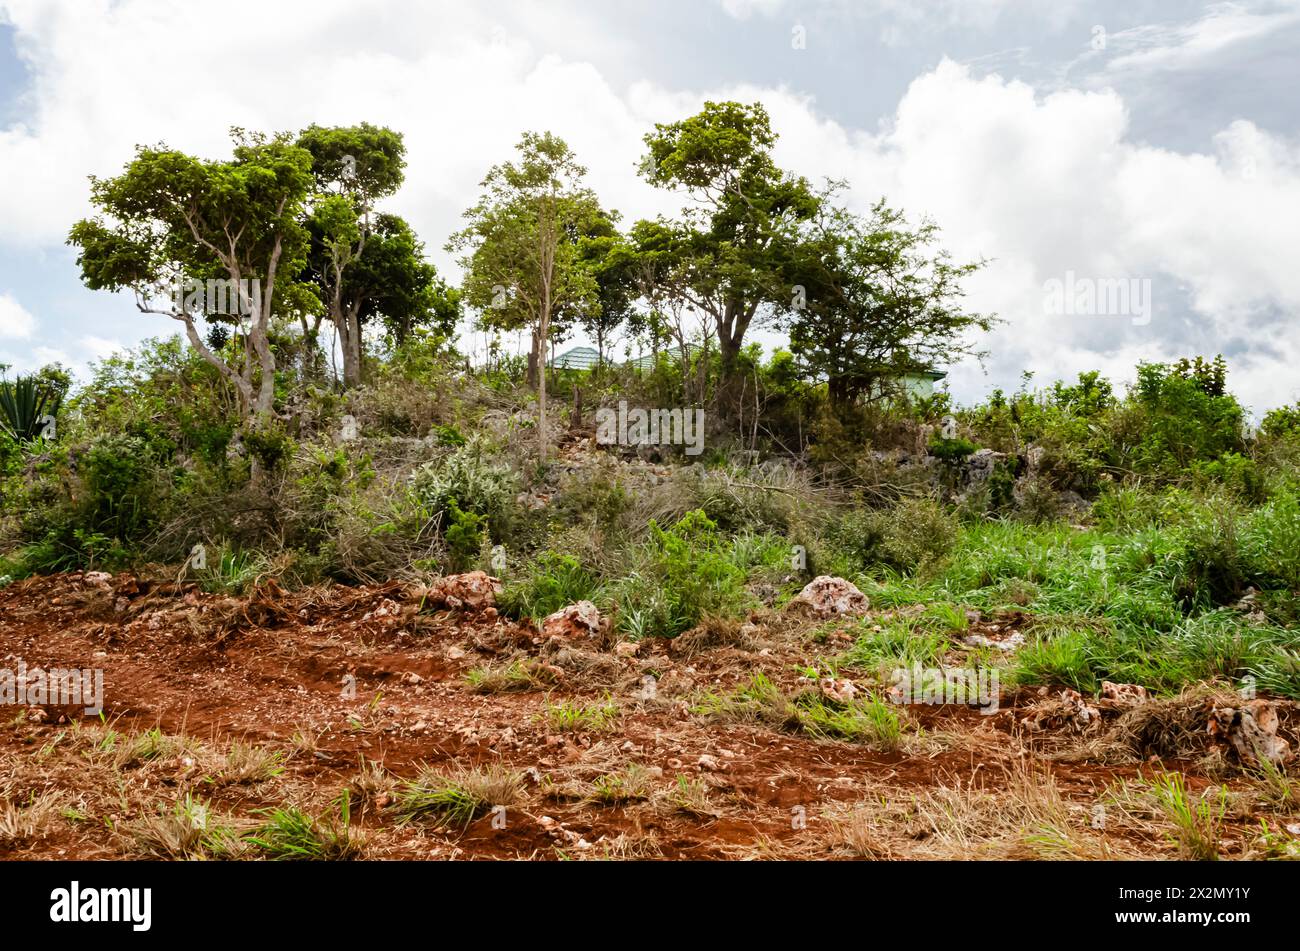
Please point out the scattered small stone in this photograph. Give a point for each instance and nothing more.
(841, 691)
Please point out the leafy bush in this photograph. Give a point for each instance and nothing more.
(553, 581)
(684, 573)
(1284, 421)
(1177, 416)
(475, 483)
(951, 450)
(463, 534)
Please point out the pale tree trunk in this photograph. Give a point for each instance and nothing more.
(346, 315)
(548, 240)
(243, 389)
(543, 330)
(262, 344)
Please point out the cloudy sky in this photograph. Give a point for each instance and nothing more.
(1147, 140)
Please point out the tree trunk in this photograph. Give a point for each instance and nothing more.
(543, 332)
(351, 341)
(533, 362)
(729, 382)
(731, 324)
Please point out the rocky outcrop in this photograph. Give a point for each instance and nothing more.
(1251, 730)
(577, 621)
(474, 591)
(827, 597)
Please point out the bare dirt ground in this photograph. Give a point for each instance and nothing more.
(247, 705)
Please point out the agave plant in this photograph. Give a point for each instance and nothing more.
(26, 406)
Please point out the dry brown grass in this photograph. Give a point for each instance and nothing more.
(1023, 815)
(28, 820)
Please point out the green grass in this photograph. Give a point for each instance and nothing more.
(1138, 607)
(185, 831)
(1197, 825)
(631, 784)
(505, 678)
(899, 643)
(553, 581)
(457, 797)
(869, 720)
(570, 716)
(289, 834)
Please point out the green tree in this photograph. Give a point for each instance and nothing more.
(171, 217)
(396, 284)
(605, 253)
(522, 257)
(732, 247)
(875, 301)
(1179, 415)
(354, 167)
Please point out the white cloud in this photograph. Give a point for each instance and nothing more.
(97, 348)
(1186, 45)
(47, 355)
(744, 9)
(1051, 184)
(910, 16)
(15, 321)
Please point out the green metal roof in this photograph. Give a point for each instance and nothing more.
(579, 358)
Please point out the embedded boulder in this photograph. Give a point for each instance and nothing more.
(1123, 694)
(581, 620)
(474, 591)
(827, 597)
(1251, 730)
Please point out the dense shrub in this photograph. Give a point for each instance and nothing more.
(474, 482)
(902, 537)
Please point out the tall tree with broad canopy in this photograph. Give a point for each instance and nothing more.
(354, 167)
(877, 302)
(391, 281)
(396, 284)
(521, 249)
(736, 236)
(171, 218)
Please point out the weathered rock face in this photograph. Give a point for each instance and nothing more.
(581, 620)
(475, 591)
(980, 465)
(1251, 729)
(826, 597)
